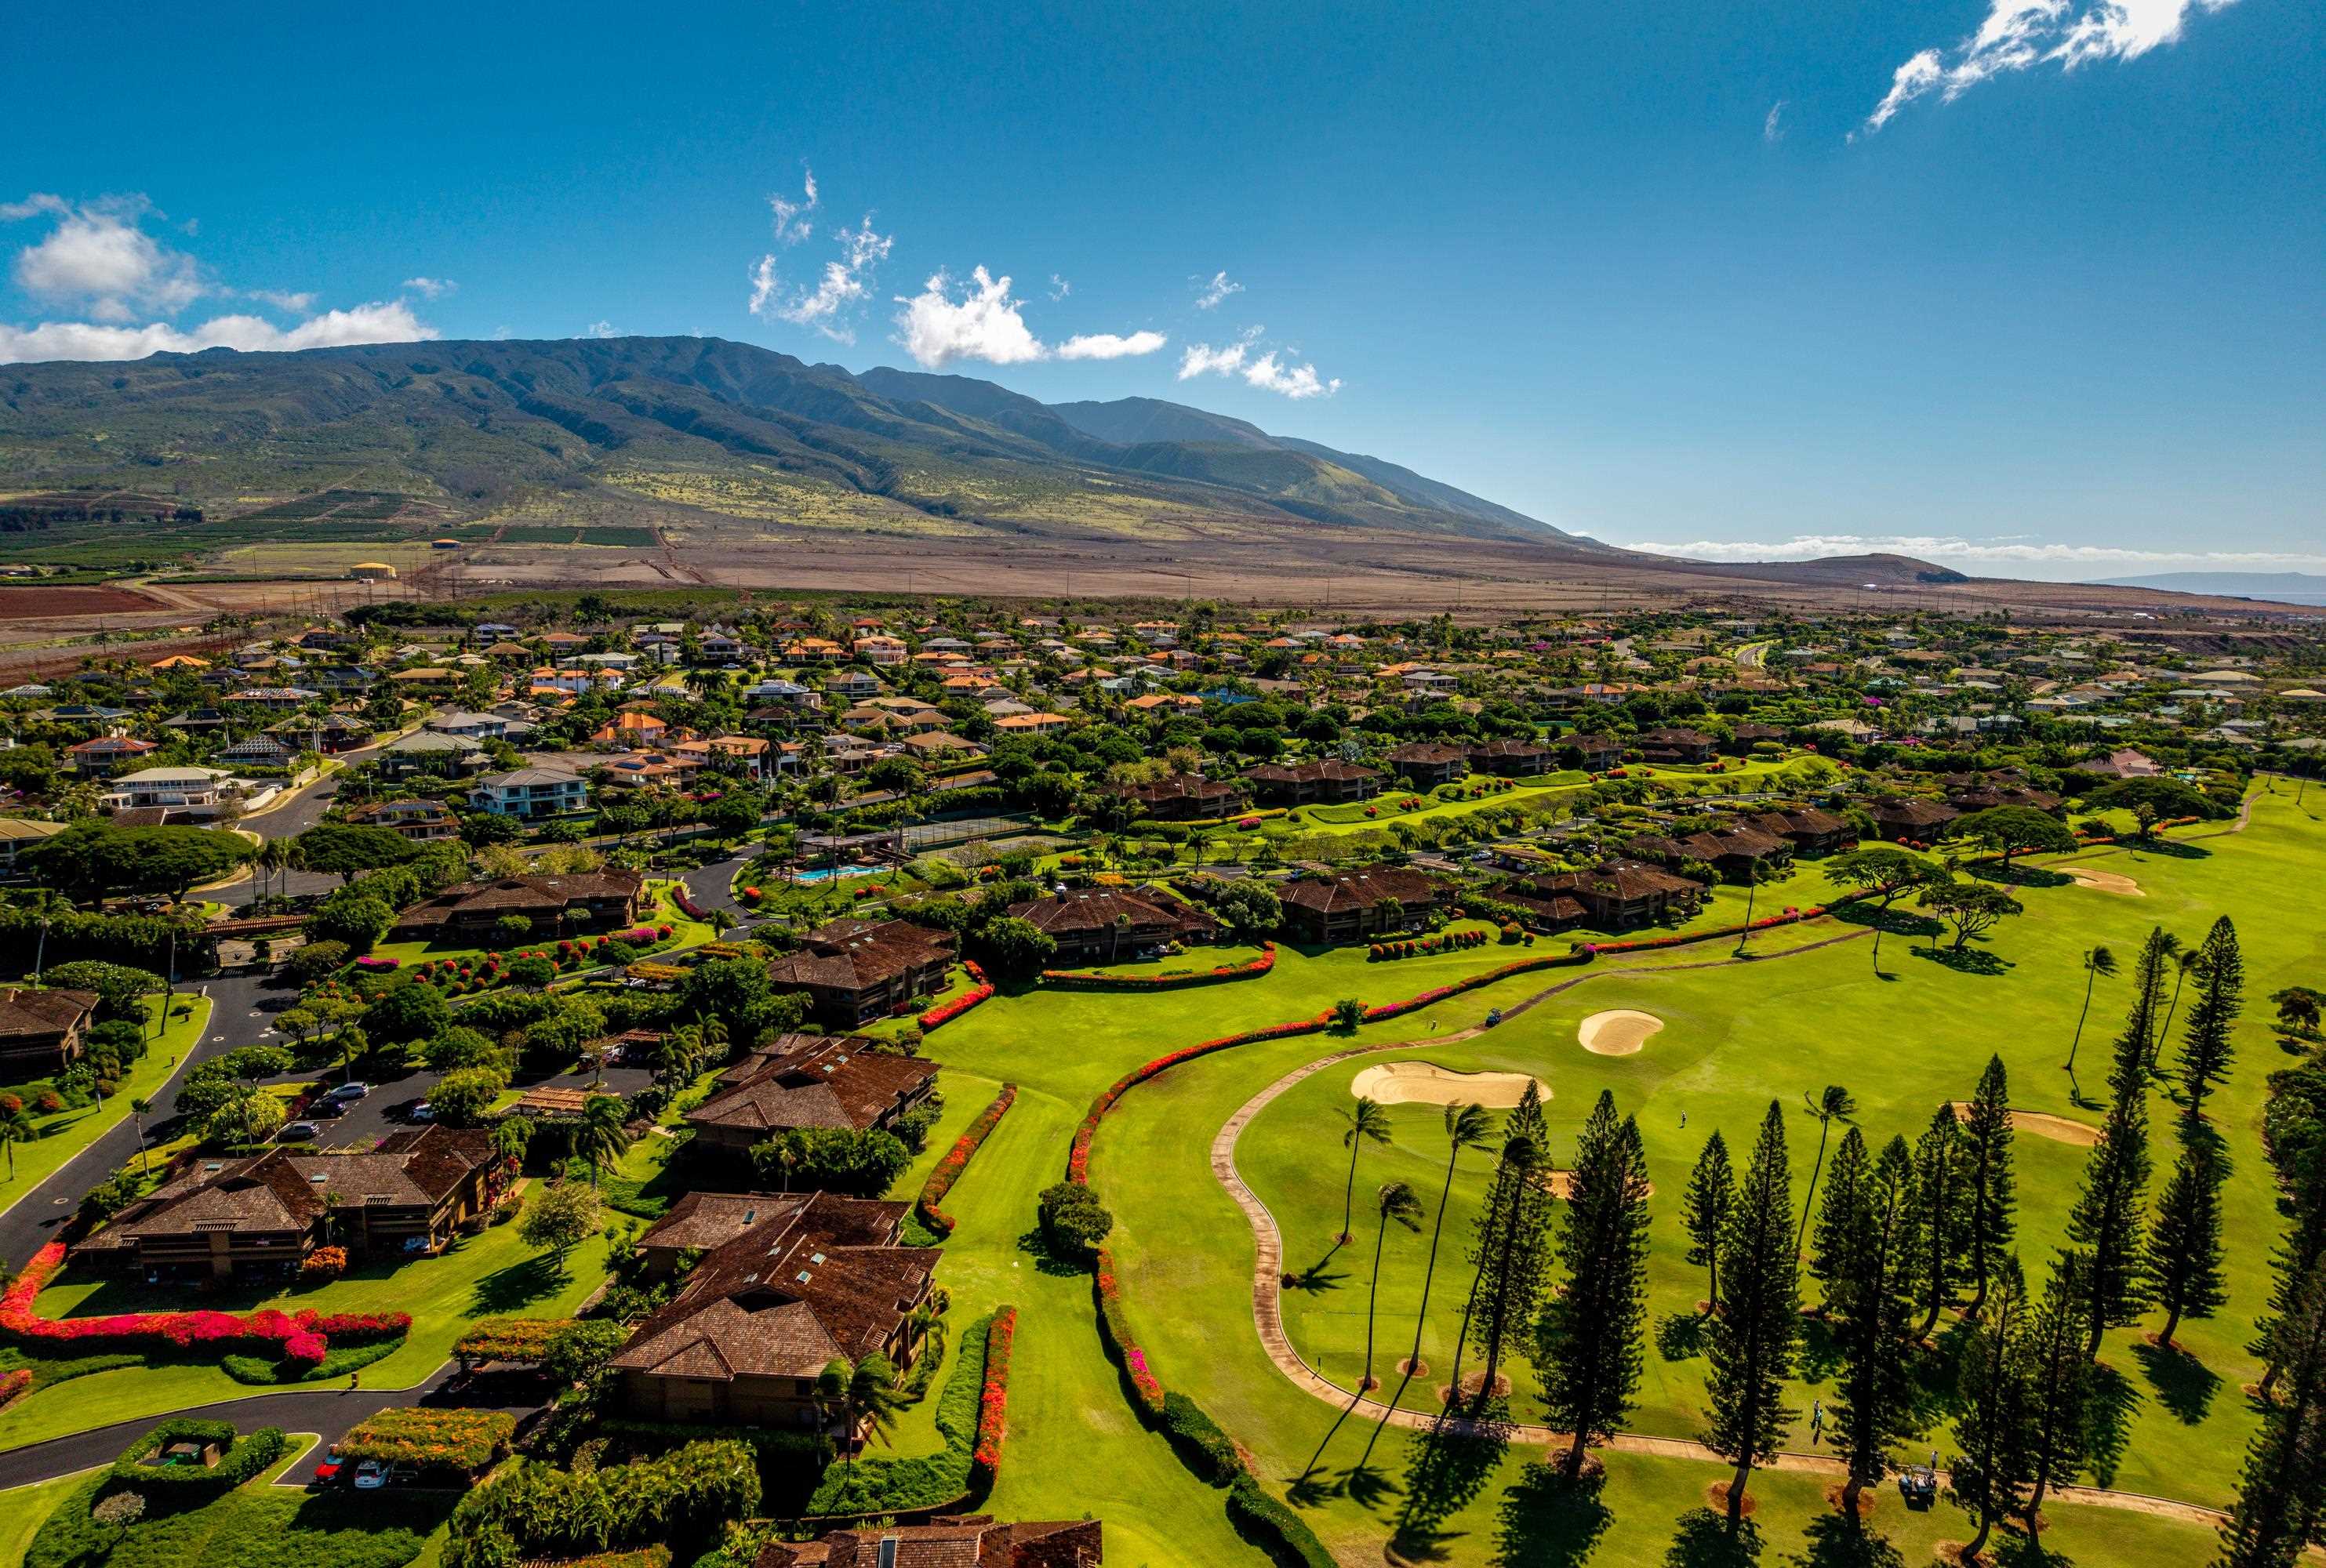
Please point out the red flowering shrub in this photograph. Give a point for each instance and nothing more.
(993, 1398)
(13, 1385)
(180, 1331)
(305, 1349)
(49, 1102)
(949, 1169)
(1116, 1332)
(1091, 980)
(946, 1012)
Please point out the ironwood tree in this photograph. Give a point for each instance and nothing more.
(1752, 1342)
(1704, 1209)
(1588, 1337)
(1991, 1198)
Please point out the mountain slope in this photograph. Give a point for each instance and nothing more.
(698, 429)
(2284, 587)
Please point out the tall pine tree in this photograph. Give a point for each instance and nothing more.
(1588, 1337)
(2105, 1223)
(1992, 1201)
(2144, 1019)
(2283, 1493)
(1838, 1219)
(1752, 1342)
(1704, 1211)
(1512, 1250)
(2294, 1133)
(1866, 1294)
(1942, 1213)
(2206, 1047)
(1991, 1412)
(2184, 1243)
(2058, 1377)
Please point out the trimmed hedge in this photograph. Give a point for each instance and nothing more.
(1274, 1528)
(239, 1458)
(993, 1397)
(432, 1438)
(949, 1170)
(874, 1486)
(946, 1012)
(1092, 980)
(340, 1360)
(14, 1384)
(303, 1336)
(1202, 1446)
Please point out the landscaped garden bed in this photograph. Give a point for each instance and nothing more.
(956, 1160)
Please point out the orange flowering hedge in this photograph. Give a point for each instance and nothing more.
(432, 1437)
(949, 1169)
(1116, 1330)
(13, 1385)
(993, 1398)
(1092, 980)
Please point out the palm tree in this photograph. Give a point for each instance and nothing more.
(1751, 893)
(926, 1327)
(1835, 1102)
(2098, 962)
(600, 1136)
(1396, 1202)
(1369, 1121)
(16, 1129)
(139, 1109)
(2185, 962)
(860, 1396)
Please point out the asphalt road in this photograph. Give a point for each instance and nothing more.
(236, 1020)
(327, 1412)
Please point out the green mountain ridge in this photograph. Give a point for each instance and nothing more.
(704, 425)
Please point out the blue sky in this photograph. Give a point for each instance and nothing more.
(2035, 286)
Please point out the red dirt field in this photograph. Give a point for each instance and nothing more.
(40, 603)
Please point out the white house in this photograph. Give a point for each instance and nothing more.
(530, 792)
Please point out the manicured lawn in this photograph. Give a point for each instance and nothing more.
(1351, 817)
(487, 1275)
(64, 1135)
(1735, 1038)
(257, 1525)
(24, 1509)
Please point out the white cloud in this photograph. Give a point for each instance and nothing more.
(1266, 371)
(1771, 128)
(430, 288)
(791, 217)
(387, 321)
(1219, 288)
(845, 282)
(281, 300)
(1059, 287)
(1108, 346)
(604, 328)
(2019, 34)
(2000, 552)
(984, 323)
(1292, 381)
(99, 257)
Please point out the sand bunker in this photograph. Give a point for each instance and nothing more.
(2106, 881)
(1617, 1033)
(2058, 1128)
(1426, 1083)
(1562, 1184)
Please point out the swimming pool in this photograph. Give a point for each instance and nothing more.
(833, 873)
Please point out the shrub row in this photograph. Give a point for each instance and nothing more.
(509, 1339)
(1115, 1330)
(1275, 1529)
(432, 1437)
(1388, 1010)
(946, 1012)
(1688, 938)
(540, 1511)
(881, 1486)
(1078, 1157)
(1202, 1446)
(239, 1458)
(949, 1169)
(993, 1397)
(302, 1337)
(1092, 980)
(1446, 941)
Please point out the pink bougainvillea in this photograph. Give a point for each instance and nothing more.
(294, 1334)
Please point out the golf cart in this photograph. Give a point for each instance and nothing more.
(1918, 1484)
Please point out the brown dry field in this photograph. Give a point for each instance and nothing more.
(1332, 573)
(38, 604)
(1377, 574)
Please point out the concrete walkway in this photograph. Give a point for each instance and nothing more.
(1268, 1273)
